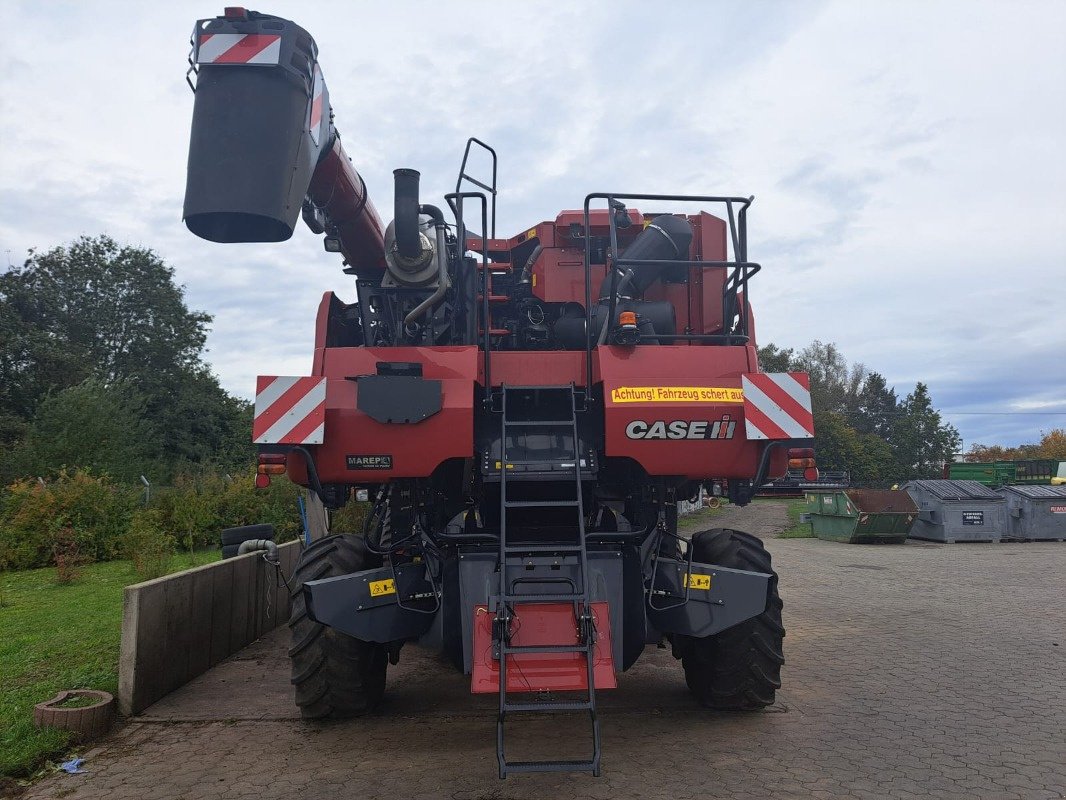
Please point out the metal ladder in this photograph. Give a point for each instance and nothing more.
(510, 594)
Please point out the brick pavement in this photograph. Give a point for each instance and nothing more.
(913, 671)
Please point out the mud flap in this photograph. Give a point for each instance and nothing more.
(717, 597)
(374, 606)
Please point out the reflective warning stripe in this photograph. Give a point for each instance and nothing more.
(777, 405)
(315, 125)
(289, 410)
(239, 48)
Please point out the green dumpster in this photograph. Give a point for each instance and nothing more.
(861, 515)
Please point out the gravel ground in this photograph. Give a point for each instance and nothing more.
(915, 670)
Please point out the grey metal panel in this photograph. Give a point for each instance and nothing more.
(954, 510)
(734, 596)
(345, 602)
(1036, 513)
(1036, 492)
(952, 490)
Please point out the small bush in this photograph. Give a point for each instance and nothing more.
(147, 544)
(32, 516)
(69, 559)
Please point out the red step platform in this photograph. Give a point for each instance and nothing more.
(542, 624)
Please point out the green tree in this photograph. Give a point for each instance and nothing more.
(89, 426)
(878, 407)
(113, 313)
(921, 441)
(835, 384)
(775, 359)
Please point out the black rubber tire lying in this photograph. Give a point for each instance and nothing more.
(246, 533)
(335, 675)
(738, 669)
(229, 550)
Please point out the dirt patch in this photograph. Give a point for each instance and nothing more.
(763, 518)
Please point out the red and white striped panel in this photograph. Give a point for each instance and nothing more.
(777, 405)
(239, 48)
(315, 124)
(289, 410)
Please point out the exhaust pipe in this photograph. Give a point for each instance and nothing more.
(405, 214)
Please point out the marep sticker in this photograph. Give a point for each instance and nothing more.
(370, 462)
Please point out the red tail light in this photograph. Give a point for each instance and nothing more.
(803, 458)
(270, 464)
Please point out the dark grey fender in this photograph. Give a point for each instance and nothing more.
(362, 605)
(733, 595)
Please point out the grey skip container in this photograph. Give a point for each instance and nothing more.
(956, 511)
(1035, 513)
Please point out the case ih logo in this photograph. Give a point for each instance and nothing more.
(682, 429)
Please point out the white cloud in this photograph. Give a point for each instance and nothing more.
(907, 158)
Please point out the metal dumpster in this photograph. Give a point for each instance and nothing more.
(956, 511)
(1035, 513)
(861, 515)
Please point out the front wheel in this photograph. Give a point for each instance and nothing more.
(738, 669)
(335, 675)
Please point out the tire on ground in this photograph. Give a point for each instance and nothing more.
(246, 533)
(738, 669)
(335, 675)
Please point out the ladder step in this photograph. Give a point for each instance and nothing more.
(542, 504)
(550, 705)
(545, 648)
(521, 549)
(569, 597)
(551, 766)
(540, 423)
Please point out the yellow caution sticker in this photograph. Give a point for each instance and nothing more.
(379, 588)
(694, 581)
(676, 394)
(531, 234)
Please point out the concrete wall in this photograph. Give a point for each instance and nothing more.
(177, 627)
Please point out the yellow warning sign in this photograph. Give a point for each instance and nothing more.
(697, 581)
(378, 588)
(676, 394)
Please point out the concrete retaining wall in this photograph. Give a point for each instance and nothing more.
(179, 626)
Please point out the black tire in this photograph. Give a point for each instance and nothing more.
(335, 675)
(229, 550)
(738, 669)
(246, 533)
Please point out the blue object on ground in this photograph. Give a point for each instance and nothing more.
(73, 766)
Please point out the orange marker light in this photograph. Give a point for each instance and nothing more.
(627, 318)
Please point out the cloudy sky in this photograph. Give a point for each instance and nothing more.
(907, 160)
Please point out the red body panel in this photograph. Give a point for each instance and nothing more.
(542, 623)
(659, 374)
(416, 448)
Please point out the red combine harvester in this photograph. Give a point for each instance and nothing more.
(525, 414)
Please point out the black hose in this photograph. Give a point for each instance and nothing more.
(405, 213)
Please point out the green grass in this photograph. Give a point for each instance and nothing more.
(59, 637)
(797, 529)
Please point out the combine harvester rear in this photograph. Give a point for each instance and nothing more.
(525, 414)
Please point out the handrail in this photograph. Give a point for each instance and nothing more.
(736, 283)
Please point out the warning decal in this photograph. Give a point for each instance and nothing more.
(676, 394)
(379, 588)
(694, 581)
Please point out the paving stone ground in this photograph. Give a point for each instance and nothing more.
(919, 670)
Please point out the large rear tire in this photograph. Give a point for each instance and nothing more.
(738, 669)
(335, 675)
